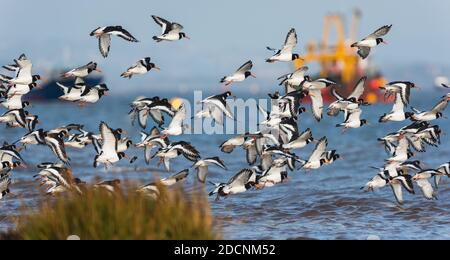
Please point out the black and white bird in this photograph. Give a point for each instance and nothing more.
(176, 126)
(111, 186)
(353, 101)
(141, 67)
(399, 183)
(398, 113)
(176, 149)
(107, 153)
(93, 94)
(229, 145)
(286, 53)
(422, 180)
(104, 37)
(318, 84)
(57, 179)
(202, 167)
(15, 118)
(170, 31)
(83, 71)
(152, 189)
(154, 107)
(316, 103)
(299, 141)
(15, 102)
(364, 46)
(151, 141)
(240, 75)
(216, 107)
(402, 87)
(23, 72)
(294, 80)
(275, 174)
(320, 156)
(435, 113)
(353, 119)
(241, 182)
(72, 93)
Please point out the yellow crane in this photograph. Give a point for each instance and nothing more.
(340, 54)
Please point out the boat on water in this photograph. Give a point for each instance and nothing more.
(49, 90)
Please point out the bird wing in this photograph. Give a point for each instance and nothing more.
(358, 91)
(317, 103)
(335, 94)
(179, 117)
(241, 178)
(246, 67)
(142, 118)
(399, 105)
(354, 115)
(176, 28)
(109, 140)
(251, 155)
(426, 188)
(104, 44)
(202, 172)
(290, 42)
(363, 51)
(126, 35)
(380, 32)
(216, 114)
(319, 150)
(440, 106)
(398, 193)
(57, 146)
(165, 25)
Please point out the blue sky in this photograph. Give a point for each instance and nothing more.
(224, 34)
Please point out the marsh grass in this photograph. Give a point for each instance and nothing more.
(125, 215)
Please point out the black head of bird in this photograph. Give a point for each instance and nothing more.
(249, 74)
(364, 122)
(121, 155)
(353, 100)
(6, 165)
(439, 115)
(129, 143)
(183, 35)
(296, 57)
(380, 40)
(26, 103)
(152, 66)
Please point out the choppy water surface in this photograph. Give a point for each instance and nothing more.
(323, 204)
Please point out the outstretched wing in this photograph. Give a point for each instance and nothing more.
(104, 44)
(246, 67)
(290, 42)
(165, 25)
(358, 91)
(382, 31)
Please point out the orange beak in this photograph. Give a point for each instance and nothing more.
(253, 75)
(98, 70)
(157, 68)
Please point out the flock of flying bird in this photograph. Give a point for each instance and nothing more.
(269, 152)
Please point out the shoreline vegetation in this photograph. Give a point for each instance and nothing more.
(98, 214)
